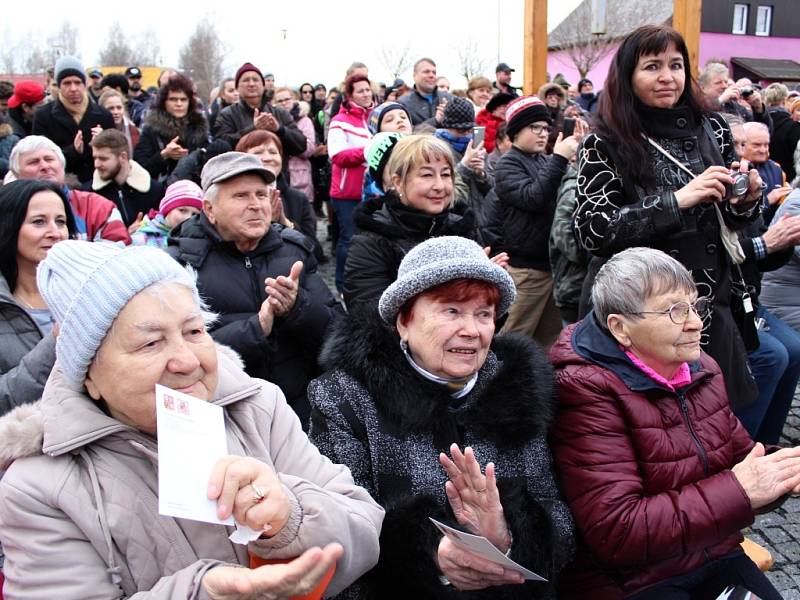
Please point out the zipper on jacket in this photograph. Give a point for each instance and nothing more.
(247, 263)
(692, 433)
(122, 206)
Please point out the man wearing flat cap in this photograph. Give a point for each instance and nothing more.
(274, 308)
(254, 111)
(502, 83)
(72, 119)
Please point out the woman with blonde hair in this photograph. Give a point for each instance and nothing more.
(117, 105)
(479, 92)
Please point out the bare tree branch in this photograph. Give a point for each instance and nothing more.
(395, 60)
(118, 51)
(470, 61)
(202, 56)
(148, 49)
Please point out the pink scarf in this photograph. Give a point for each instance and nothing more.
(681, 377)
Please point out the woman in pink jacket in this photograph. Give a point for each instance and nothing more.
(347, 137)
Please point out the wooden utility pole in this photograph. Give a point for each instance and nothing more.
(686, 16)
(535, 60)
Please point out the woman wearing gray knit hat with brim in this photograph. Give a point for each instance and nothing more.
(79, 505)
(437, 417)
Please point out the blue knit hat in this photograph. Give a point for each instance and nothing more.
(439, 260)
(87, 284)
(380, 111)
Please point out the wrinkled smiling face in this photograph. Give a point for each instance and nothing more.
(158, 337)
(447, 338)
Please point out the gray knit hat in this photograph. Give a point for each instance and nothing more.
(69, 65)
(87, 284)
(439, 260)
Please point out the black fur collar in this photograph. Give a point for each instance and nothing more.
(512, 401)
(192, 129)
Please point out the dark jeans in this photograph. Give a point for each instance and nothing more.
(709, 581)
(776, 369)
(344, 215)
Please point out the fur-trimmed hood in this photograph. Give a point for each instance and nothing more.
(138, 178)
(512, 400)
(65, 420)
(191, 129)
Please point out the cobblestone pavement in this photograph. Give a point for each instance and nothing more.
(778, 531)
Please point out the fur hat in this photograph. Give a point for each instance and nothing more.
(87, 284)
(524, 111)
(458, 114)
(244, 69)
(67, 66)
(439, 260)
(501, 99)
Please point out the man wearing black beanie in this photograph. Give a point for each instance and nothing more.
(526, 184)
(71, 119)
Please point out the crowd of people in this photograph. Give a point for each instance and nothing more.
(565, 322)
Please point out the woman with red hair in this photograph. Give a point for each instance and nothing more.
(436, 417)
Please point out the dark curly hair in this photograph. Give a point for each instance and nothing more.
(177, 83)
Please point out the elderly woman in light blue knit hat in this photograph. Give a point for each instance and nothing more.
(79, 506)
(427, 378)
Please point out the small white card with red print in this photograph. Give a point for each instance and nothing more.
(480, 546)
(191, 439)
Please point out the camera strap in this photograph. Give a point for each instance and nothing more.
(729, 239)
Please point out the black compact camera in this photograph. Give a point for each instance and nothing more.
(739, 187)
(746, 91)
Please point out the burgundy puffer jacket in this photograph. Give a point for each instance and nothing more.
(646, 471)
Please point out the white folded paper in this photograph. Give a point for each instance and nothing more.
(482, 547)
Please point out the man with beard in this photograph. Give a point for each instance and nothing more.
(254, 111)
(135, 91)
(122, 180)
(72, 119)
(96, 87)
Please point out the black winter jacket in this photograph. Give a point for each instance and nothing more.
(375, 414)
(388, 230)
(236, 120)
(53, 121)
(783, 141)
(527, 189)
(138, 194)
(159, 129)
(233, 285)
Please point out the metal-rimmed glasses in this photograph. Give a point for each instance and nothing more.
(679, 312)
(538, 129)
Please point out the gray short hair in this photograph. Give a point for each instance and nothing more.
(776, 94)
(33, 143)
(628, 279)
(754, 126)
(710, 71)
(212, 193)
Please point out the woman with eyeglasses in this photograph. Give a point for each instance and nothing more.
(300, 164)
(659, 474)
(526, 184)
(657, 172)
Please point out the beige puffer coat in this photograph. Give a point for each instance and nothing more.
(79, 514)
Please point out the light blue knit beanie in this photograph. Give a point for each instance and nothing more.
(87, 284)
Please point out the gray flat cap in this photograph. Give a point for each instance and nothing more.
(439, 260)
(230, 164)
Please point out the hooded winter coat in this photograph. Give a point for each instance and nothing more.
(373, 412)
(79, 504)
(387, 231)
(26, 356)
(646, 471)
(233, 285)
(348, 135)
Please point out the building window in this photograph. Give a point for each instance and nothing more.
(740, 18)
(763, 20)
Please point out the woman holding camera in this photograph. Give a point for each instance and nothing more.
(659, 172)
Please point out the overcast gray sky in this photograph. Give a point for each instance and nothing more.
(321, 37)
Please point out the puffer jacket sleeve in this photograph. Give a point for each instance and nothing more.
(59, 557)
(25, 382)
(515, 186)
(619, 521)
(329, 506)
(606, 221)
(368, 271)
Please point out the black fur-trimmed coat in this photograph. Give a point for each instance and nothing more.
(159, 129)
(374, 413)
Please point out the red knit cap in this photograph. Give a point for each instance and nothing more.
(524, 111)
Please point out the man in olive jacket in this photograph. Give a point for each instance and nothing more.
(273, 306)
(253, 111)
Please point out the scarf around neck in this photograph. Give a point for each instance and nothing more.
(458, 142)
(76, 111)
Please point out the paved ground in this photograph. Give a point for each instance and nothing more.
(779, 531)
